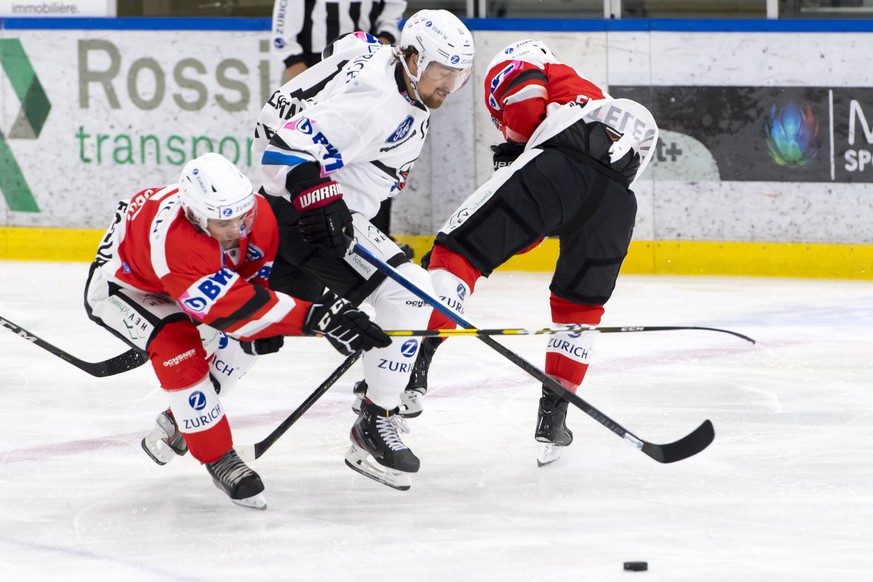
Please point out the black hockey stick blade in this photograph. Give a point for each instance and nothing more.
(251, 452)
(121, 363)
(685, 447)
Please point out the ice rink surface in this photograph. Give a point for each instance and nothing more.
(785, 492)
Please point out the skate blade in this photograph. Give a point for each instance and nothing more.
(159, 456)
(258, 502)
(358, 460)
(548, 453)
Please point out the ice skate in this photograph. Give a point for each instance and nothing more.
(551, 431)
(360, 392)
(234, 477)
(377, 451)
(412, 398)
(165, 441)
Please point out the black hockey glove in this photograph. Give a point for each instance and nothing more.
(506, 153)
(347, 328)
(325, 219)
(627, 166)
(602, 141)
(266, 345)
(425, 259)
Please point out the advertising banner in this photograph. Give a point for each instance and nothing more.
(763, 134)
(87, 117)
(54, 8)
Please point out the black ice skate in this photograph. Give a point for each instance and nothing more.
(377, 451)
(412, 398)
(242, 485)
(164, 441)
(551, 429)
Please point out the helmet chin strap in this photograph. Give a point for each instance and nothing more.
(412, 79)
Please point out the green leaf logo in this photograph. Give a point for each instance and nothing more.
(28, 123)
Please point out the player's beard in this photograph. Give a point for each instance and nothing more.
(434, 100)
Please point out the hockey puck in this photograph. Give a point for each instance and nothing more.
(636, 566)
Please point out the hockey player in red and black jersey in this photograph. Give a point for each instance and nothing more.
(335, 142)
(181, 274)
(560, 173)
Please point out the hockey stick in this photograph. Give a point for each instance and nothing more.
(551, 330)
(121, 363)
(691, 444)
(252, 452)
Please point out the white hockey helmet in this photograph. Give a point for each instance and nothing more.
(530, 50)
(439, 37)
(212, 188)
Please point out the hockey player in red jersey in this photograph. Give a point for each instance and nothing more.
(560, 173)
(182, 275)
(335, 142)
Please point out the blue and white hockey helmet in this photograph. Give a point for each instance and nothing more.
(530, 50)
(212, 188)
(443, 43)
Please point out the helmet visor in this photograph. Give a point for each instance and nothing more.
(449, 79)
(233, 228)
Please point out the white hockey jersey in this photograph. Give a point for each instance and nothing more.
(351, 114)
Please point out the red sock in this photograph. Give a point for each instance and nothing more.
(569, 355)
(455, 264)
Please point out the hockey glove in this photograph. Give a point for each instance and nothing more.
(266, 345)
(506, 153)
(325, 219)
(425, 259)
(347, 328)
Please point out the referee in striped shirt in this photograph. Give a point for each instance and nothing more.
(302, 28)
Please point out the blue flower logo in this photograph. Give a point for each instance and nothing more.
(792, 135)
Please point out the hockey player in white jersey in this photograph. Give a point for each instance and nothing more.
(334, 142)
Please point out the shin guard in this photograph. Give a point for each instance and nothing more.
(569, 354)
(200, 417)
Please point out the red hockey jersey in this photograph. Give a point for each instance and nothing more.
(160, 251)
(523, 80)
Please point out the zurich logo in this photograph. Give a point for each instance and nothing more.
(455, 59)
(409, 348)
(222, 341)
(402, 130)
(429, 23)
(196, 171)
(226, 212)
(461, 291)
(575, 335)
(197, 400)
(279, 43)
(509, 51)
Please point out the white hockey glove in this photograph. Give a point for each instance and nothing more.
(347, 328)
